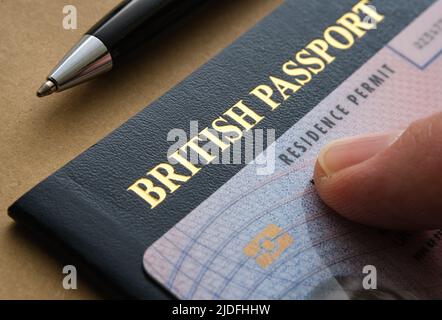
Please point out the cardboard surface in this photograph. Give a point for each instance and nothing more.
(38, 136)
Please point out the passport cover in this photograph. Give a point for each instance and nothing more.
(86, 205)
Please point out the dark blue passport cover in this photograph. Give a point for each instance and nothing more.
(85, 206)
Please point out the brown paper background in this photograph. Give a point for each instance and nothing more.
(37, 136)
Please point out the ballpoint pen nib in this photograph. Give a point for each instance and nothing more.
(46, 89)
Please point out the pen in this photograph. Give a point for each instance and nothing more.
(129, 24)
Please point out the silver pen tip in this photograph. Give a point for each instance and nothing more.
(46, 89)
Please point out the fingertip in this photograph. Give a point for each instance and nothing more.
(318, 174)
(331, 189)
(375, 186)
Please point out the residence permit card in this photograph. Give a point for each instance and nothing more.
(269, 236)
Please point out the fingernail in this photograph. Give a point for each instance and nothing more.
(344, 153)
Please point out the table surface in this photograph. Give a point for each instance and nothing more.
(38, 136)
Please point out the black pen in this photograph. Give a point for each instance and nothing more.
(129, 24)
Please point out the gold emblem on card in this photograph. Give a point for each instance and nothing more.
(268, 245)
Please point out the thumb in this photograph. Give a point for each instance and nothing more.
(391, 180)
